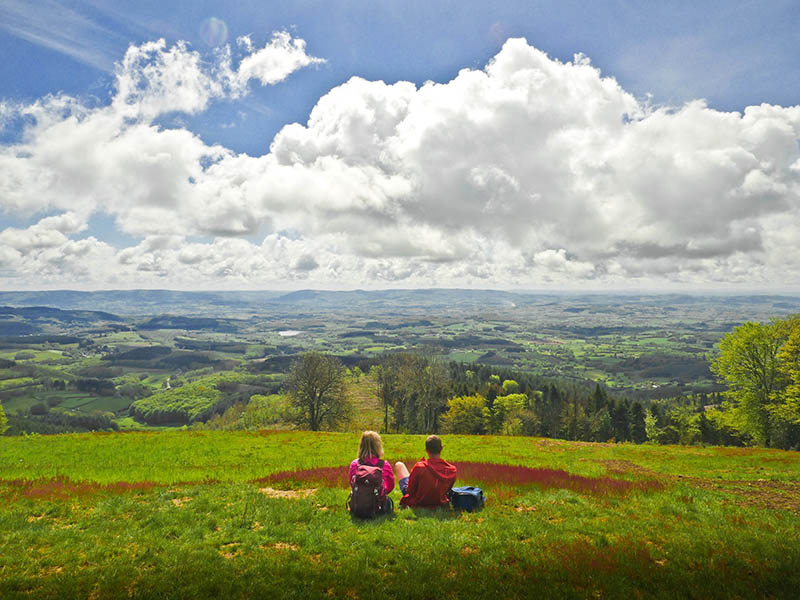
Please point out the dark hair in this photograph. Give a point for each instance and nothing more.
(433, 444)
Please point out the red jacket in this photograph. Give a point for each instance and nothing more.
(428, 483)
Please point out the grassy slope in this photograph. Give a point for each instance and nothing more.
(725, 523)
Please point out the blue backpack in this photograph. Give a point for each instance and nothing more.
(467, 498)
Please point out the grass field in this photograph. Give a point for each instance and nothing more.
(34, 355)
(75, 402)
(236, 514)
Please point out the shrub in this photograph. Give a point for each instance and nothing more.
(510, 387)
(466, 414)
(505, 414)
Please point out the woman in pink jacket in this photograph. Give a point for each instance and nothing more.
(370, 452)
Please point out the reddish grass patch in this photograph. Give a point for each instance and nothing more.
(485, 474)
(733, 451)
(549, 478)
(331, 477)
(64, 487)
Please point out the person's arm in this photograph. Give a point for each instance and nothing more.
(413, 481)
(353, 469)
(388, 477)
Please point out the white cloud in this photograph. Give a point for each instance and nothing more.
(528, 172)
(280, 57)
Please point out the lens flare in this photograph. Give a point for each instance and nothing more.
(214, 31)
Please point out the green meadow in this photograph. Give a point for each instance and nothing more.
(184, 514)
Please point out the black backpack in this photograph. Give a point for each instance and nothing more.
(367, 499)
(467, 498)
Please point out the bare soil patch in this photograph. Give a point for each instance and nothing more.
(759, 494)
(625, 466)
(291, 494)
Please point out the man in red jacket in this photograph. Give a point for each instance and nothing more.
(429, 481)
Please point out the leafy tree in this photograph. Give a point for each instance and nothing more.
(722, 429)
(466, 414)
(651, 428)
(748, 361)
(316, 386)
(788, 409)
(60, 422)
(687, 424)
(600, 426)
(506, 411)
(229, 420)
(259, 413)
(264, 411)
(3, 420)
(510, 387)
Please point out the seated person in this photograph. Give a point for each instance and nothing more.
(370, 452)
(429, 481)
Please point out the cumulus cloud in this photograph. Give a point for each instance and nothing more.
(280, 57)
(528, 172)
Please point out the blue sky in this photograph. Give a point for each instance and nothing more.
(733, 54)
(663, 55)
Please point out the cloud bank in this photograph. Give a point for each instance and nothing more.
(527, 173)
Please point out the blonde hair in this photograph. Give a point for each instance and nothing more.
(370, 446)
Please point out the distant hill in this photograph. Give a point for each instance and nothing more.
(242, 304)
(48, 313)
(189, 323)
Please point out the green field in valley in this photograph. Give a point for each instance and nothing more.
(185, 514)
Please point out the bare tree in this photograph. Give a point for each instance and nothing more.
(316, 387)
(395, 375)
(433, 388)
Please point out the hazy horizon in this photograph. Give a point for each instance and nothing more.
(542, 291)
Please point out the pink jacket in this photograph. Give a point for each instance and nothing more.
(388, 473)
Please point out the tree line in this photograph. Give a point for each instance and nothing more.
(420, 392)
